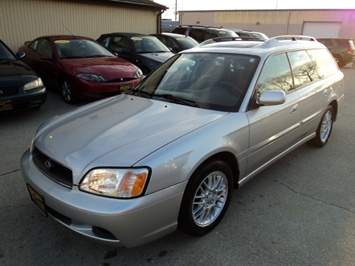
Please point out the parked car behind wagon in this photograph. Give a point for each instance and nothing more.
(20, 87)
(79, 67)
(342, 49)
(202, 33)
(176, 42)
(145, 51)
(132, 168)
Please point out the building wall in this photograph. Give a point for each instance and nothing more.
(23, 20)
(271, 22)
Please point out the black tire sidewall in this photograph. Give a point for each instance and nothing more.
(186, 222)
(72, 100)
(317, 142)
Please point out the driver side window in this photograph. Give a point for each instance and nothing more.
(275, 75)
(43, 47)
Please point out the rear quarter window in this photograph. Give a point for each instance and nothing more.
(303, 68)
(323, 61)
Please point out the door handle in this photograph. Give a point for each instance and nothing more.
(325, 92)
(294, 108)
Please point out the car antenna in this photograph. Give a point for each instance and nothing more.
(67, 29)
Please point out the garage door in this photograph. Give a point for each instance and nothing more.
(321, 29)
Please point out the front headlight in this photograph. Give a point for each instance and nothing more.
(118, 183)
(91, 77)
(33, 84)
(138, 74)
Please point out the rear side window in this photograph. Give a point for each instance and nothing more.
(42, 46)
(197, 34)
(179, 31)
(303, 69)
(275, 75)
(323, 61)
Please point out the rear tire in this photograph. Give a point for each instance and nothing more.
(338, 60)
(324, 129)
(206, 198)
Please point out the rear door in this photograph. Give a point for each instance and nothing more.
(273, 129)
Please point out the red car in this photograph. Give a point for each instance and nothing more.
(80, 67)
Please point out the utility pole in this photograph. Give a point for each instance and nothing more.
(176, 12)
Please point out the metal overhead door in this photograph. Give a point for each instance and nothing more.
(321, 29)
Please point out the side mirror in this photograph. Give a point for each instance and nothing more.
(272, 98)
(20, 55)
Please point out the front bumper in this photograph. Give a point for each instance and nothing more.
(23, 102)
(129, 222)
(95, 90)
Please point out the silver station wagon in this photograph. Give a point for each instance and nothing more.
(132, 168)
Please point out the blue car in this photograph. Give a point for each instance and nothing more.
(145, 51)
(20, 87)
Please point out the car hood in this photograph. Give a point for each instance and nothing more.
(157, 57)
(109, 67)
(14, 68)
(118, 131)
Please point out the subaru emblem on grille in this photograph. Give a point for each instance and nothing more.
(48, 164)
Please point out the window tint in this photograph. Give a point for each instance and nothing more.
(324, 62)
(197, 34)
(120, 44)
(211, 34)
(304, 70)
(43, 47)
(179, 30)
(5, 54)
(275, 75)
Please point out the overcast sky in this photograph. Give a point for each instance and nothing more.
(183, 5)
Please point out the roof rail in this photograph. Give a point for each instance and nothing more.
(292, 38)
(201, 26)
(226, 39)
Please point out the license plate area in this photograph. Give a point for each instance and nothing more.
(38, 200)
(5, 105)
(125, 87)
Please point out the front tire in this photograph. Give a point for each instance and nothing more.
(338, 60)
(206, 198)
(324, 129)
(67, 91)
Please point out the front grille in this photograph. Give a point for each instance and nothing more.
(9, 91)
(52, 169)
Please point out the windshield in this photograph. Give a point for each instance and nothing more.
(148, 44)
(5, 54)
(205, 80)
(80, 48)
(186, 42)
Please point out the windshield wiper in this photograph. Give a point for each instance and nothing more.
(178, 100)
(98, 55)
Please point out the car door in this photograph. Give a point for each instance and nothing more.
(43, 61)
(311, 68)
(273, 129)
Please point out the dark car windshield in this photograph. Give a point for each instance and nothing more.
(80, 48)
(186, 42)
(148, 44)
(5, 54)
(211, 81)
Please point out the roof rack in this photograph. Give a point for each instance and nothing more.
(292, 38)
(202, 26)
(226, 39)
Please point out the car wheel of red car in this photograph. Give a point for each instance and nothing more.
(67, 91)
